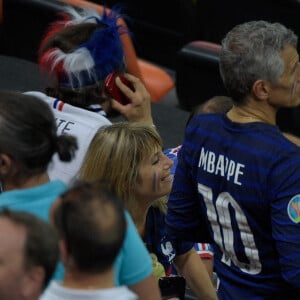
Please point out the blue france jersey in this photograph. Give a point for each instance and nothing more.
(157, 242)
(203, 249)
(238, 186)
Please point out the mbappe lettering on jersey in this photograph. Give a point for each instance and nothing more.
(221, 165)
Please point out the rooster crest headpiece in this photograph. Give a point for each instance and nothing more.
(88, 62)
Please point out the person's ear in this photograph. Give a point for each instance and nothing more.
(33, 282)
(261, 89)
(63, 250)
(65, 255)
(53, 209)
(5, 164)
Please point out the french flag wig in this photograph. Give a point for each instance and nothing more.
(90, 61)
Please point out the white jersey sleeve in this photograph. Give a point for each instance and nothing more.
(81, 123)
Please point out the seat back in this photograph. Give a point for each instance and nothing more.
(197, 74)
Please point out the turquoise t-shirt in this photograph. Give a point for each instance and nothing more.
(133, 263)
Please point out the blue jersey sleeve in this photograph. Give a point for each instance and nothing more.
(184, 220)
(241, 182)
(285, 218)
(133, 263)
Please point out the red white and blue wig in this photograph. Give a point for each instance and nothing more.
(91, 61)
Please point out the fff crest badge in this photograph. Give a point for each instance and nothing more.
(293, 209)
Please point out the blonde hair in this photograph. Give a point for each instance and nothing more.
(115, 155)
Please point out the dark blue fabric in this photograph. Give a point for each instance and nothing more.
(243, 182)
(157, 242)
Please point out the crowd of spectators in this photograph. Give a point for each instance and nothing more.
(95, 210)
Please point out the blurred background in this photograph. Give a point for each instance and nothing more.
(176, 44)
(162, 28)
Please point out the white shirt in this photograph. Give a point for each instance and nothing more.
(81, 123)
(55, 291)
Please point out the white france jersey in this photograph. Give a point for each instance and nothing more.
(81, 123)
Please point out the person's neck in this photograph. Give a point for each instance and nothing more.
(139, 215)
(29, 182)
(249, 114)
(86, 281)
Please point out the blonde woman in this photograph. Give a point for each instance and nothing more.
(130, 157)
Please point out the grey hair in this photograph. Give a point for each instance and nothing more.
(252, 51)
